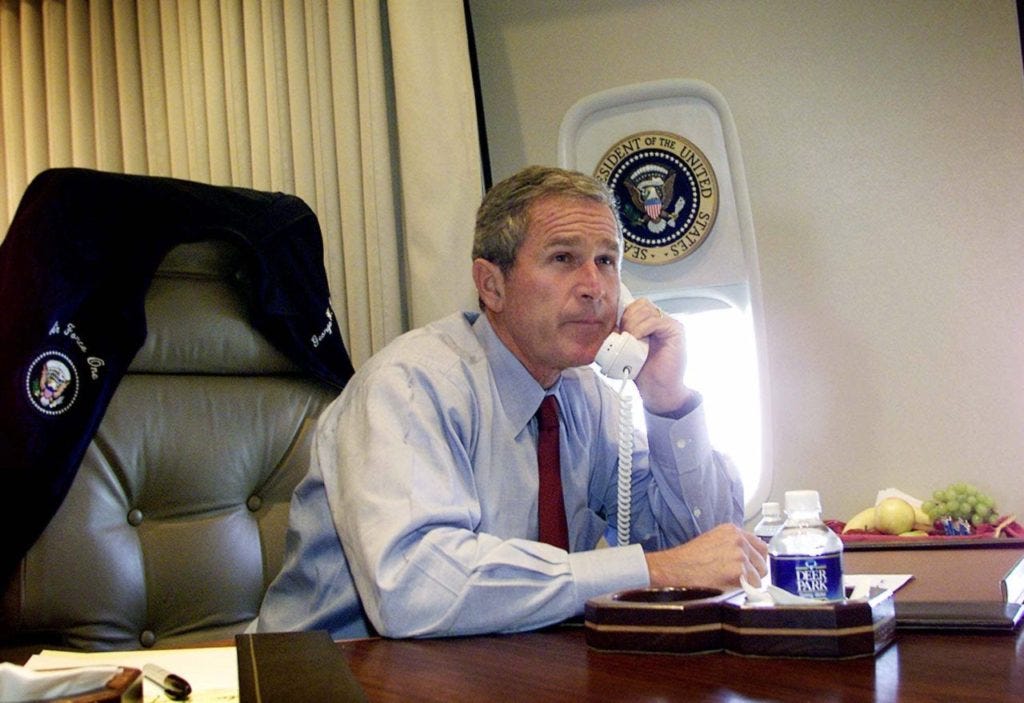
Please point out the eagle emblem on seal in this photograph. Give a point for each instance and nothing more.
(650, 194)
(52, 383)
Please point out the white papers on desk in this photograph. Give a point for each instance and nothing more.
(18, 683)
(861, 584)
(859, 587)
(211, 671)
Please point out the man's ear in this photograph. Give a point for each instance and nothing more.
(490, 284)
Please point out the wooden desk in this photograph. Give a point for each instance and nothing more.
(557, 665)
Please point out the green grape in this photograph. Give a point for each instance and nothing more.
(962, 500)
(928, 507)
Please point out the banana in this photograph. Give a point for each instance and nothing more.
(922, 521)
(864, 520)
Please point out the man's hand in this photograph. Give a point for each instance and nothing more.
(660, 381)
(715, 559)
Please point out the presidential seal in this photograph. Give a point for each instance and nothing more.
(52, 383)
(667, 195)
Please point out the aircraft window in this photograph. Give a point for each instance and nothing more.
(722, 364)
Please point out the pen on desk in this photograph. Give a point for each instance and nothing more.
(174, 686)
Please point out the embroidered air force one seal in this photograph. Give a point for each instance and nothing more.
(667, 195)
(52, 383)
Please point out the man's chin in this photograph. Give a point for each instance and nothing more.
(587, 357)
(584, 349)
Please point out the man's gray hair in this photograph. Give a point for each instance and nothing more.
(503, 217)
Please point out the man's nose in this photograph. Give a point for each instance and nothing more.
(588, 283)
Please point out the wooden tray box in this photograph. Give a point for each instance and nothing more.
(683, 620)
(689, 621)
(830, 630)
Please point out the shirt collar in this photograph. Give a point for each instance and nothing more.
(519, 392)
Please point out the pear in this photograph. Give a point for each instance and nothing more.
(894, 516)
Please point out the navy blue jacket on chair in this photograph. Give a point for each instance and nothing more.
(74, 270)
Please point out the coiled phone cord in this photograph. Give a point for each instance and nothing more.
(625, 484)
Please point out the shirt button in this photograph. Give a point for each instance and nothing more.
(681, 443)
(696, 512)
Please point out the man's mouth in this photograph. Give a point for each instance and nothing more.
(589, 321)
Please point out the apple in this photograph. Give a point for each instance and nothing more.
(894, 516)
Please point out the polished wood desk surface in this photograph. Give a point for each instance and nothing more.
(558, 665)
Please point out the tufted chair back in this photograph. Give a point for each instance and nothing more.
(175, 522)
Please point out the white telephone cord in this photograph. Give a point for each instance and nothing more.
(625, 485)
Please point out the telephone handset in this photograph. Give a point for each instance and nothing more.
(621, 354)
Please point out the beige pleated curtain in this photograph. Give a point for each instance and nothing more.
(362, 108)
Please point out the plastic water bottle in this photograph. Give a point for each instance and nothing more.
(771, 521)
(805, 557)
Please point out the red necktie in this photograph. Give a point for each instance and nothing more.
(550, 505)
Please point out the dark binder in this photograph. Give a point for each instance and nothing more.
(982, 616)
(288, 667)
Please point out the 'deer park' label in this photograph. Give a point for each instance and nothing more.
(819, 577)
(667, 195)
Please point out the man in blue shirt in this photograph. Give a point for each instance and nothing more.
(419, 513)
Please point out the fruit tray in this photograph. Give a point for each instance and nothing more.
(1010, 535)
(960, 510)
(696, 620)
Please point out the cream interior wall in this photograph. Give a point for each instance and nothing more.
(883, 144)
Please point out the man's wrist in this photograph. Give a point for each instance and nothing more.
(655, 572)
(691, 403)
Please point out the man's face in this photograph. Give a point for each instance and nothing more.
(559, 299)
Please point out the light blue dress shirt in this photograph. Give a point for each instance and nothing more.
(418, 516)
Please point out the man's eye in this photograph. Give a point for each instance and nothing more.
(606, 260)
(562, 258)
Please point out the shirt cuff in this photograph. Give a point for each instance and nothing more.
(695, 399)
(598, 572)
(683, 443)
